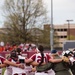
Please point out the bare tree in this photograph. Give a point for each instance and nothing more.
(22, 15)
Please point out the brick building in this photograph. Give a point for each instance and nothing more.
(63, 32)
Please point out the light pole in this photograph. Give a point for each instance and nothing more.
(69, 28)
(51, 31)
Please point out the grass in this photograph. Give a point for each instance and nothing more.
(3, 71)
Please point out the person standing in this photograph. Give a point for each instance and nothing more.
(21, 60)
(41, 58)
(14, 65)
(60, 68)
(2, 59)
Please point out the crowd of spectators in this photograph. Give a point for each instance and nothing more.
(23, 46)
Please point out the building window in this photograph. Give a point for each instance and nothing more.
(60, 29)
(61, 36)
(65, 29)
(65, 36)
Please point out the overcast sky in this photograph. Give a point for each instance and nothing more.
(62, 10)
(1, 15)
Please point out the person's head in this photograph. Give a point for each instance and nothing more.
(40, 48)
(54, 51)
(67, 53)
(70, 53)
(13, 55)
(18, 50)
(30, 45)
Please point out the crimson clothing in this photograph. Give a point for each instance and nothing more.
(2, 48)
(37, 57)
(2, 59)
(17, 70)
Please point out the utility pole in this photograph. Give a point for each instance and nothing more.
(69, 28)
(52, 30)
